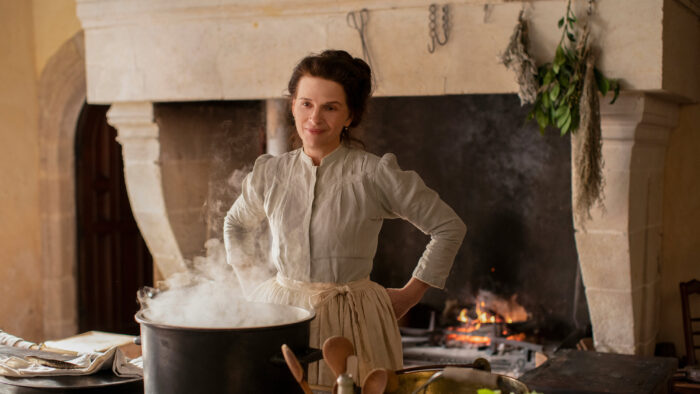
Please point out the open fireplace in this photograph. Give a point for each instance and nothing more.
(509, 183)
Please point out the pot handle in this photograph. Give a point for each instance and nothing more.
(305, 356)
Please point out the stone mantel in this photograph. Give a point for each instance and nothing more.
(185, 50)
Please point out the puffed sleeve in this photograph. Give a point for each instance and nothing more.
(243, 221)
(404, 194)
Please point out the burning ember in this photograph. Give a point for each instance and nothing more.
(488, 319)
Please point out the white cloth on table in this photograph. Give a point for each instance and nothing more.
(324, 222)
(18, 362)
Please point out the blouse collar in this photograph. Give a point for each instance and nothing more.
(328, 159)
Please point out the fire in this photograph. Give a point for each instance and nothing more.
(489, 310)
(473, 339)
(463, 316)
(482, 316)
(517, 337)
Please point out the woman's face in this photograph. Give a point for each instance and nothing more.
(320, 113)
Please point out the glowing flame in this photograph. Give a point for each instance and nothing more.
(473, 339)
(489, 310)
(517, 337)
(463, 316)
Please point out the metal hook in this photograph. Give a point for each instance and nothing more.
(432, 25)
(352, 20)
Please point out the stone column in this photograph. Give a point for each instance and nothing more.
(138, 135)
(277, 128)
(619, 248)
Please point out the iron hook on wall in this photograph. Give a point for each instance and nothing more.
(432, 25)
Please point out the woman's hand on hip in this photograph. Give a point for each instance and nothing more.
(405, 298)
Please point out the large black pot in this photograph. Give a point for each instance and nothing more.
(222, 360)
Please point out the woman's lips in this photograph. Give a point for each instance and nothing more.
(314, 131)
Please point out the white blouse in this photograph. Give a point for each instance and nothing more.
(325, 220)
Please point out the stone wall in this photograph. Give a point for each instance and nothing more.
(680, 244)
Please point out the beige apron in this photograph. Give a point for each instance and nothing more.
(360, 311)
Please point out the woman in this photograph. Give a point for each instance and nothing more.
(325, 204)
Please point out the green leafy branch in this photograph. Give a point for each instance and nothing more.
(561, 81)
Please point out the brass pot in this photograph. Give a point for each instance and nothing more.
(412, 379)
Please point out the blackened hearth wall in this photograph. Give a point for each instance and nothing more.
(510, 185)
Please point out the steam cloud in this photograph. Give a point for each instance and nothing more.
(209, 294)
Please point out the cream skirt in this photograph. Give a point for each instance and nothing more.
(360, 311)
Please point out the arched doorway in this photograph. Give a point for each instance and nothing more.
(113, 260)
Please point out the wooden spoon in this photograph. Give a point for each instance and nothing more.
(375, 382)
(335, 352)
(295, 368)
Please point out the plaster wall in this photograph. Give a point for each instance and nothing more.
(20, 265)
(54, 22)
(681, 53)
(681, 223)
(32, 33)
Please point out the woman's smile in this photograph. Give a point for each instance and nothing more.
(314, 130)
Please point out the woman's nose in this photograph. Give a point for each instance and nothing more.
(316, 115)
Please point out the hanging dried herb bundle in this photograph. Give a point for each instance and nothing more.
(568, 100)
(517, 59)
(587, 142)
(561, 81)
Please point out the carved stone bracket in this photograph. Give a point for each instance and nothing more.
(620, 247)
(138, 135)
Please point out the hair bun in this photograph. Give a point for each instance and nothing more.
(364, 69)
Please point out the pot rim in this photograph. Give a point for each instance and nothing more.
(141, 319)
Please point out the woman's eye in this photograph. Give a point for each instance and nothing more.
(330, 108)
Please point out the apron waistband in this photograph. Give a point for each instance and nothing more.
(322, 292)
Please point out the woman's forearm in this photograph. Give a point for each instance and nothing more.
(415, 288)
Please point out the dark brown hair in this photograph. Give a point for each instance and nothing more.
(353, 74)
